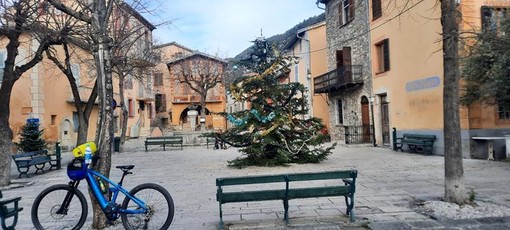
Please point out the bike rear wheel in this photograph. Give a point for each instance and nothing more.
(161, 208)
(48, 213)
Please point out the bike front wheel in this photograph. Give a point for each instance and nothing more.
(59, 207)
(159, 202)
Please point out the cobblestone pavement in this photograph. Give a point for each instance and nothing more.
(387, 183)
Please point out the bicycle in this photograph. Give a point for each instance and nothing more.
(147, 206)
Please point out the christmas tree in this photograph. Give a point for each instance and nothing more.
(273, 130)
(31, 137)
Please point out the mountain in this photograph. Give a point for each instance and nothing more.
(280, 40)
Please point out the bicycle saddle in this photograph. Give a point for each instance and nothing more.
(125, 167)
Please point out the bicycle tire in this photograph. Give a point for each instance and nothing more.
(160, 203)
(47, 203)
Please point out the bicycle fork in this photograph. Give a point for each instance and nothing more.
(67, 200)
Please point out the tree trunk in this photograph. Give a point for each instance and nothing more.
(5, 133)
(104, 133)
(454, 172)
(123, 107)
(202, 112)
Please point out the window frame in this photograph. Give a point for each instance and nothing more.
(346, 11)
(382, 59)
(131, 108)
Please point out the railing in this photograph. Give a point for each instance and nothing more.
(145, 93)
(195, 98)
(358, 134)
(338, 78)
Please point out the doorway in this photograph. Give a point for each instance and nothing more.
(385, 120)
(365, 119)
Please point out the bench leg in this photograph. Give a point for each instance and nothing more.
(40, 168)
(23, 172)
(145, 147)
(221, 218)
(412, 147)
(398, 146)
(349, 202)
(286, 214)
(163, 147)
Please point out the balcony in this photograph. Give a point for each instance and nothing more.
(145, 93)
(183, 99)
(343, 78)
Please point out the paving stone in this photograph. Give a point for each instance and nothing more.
(389, 226)
(427, 224)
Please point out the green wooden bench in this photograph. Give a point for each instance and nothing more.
(287, 189)
(9, 208)
(164, 140)
(38, 159)
(413, 141)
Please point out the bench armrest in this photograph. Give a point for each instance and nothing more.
(8, 201)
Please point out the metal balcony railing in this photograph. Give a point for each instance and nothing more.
(338, 79)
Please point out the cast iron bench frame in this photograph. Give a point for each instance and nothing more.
(6, 211)
(163, 140)
(347, 189)
(415, 140)
(38, 159)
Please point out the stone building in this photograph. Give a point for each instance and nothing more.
(347, 83)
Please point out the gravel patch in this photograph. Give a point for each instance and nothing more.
(445, 210)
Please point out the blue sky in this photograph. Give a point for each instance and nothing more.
(226, 27)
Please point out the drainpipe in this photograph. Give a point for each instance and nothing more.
(308, 74)
(317, 3)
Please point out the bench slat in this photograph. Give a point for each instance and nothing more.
(245, 196)
(323, 175)
(249, 180)
(319, 192)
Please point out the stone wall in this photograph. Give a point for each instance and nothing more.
(354, 34)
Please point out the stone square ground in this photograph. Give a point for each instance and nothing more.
(388, 182)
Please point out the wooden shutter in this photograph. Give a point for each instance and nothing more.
(347, 63)
(340, 12)
(386, 54)
(376, 9)
(339, 59)
(163, 102)
(486, 17)
(351, 10)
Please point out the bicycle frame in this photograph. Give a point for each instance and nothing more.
(103, 203)
(94, 186)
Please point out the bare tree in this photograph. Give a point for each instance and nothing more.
(454, 171)
(201, 73)
(22, 30)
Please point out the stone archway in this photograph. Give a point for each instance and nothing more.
(190, 117)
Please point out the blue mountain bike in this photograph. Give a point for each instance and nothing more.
(63, 206)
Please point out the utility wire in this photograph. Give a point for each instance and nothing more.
(370, 30)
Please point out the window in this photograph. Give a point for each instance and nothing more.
(344, 63)
(339, 112)
(504, 110)
(382, 59)
(296, 73)
(53, 119)
(346, 11)
(493, 18)
(76, 121)
(158, 79)
(160, 103)
(128, 82)
(376, 9)
(131, 109)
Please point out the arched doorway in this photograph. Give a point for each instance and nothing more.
(365, 119)
(185, 119)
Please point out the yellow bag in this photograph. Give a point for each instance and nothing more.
(80, 150)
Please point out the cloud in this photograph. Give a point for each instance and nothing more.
(226, 27)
